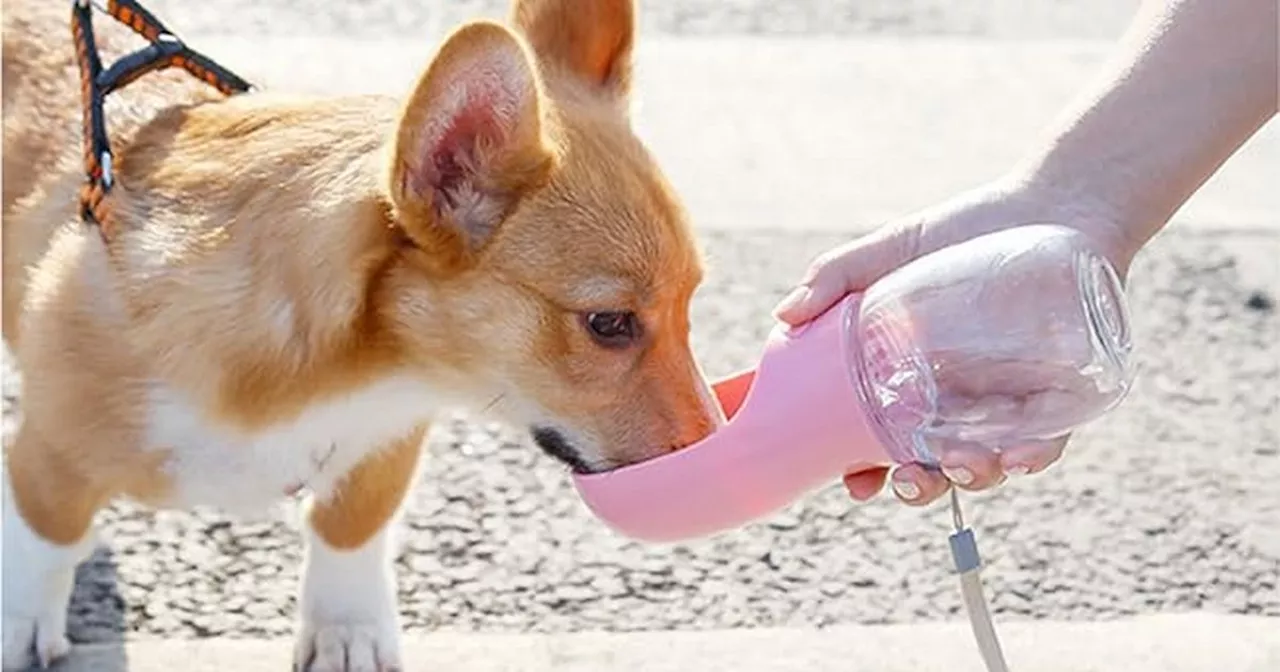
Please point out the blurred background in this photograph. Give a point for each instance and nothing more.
(788, 126)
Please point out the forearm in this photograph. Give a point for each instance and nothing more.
(1191, 82)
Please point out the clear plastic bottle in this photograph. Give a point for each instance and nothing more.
(1012, 337)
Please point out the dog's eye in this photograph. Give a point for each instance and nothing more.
(613, 329)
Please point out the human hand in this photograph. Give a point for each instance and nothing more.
(856, 265)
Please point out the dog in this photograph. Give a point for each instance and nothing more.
(294, 287)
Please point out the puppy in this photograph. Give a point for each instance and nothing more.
(293, 288)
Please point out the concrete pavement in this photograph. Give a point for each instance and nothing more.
(814, 133)
(1190, 642)
(991, 19)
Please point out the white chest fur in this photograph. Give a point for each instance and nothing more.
(244, 473)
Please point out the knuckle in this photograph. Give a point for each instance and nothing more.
(817, 268)
(825, 267)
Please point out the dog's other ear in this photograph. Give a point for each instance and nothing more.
(589, 39)
(470, 143)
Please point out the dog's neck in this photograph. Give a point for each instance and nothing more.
(210, 191)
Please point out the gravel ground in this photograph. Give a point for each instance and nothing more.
(1168, 504)
(985, 18)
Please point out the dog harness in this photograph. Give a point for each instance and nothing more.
(164, 51)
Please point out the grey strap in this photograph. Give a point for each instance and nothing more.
(964, 552)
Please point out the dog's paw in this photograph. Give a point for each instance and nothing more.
(347, 647)
(349, 620)
(37, 581)
(34, 642)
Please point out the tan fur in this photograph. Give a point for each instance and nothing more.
(231, 210)
(369, 496)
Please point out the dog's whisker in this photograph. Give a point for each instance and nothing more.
(493, 404)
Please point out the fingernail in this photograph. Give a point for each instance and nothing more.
(906, 489)
(958, 475)
(795, 298)
(1018, 470)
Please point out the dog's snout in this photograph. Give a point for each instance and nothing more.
(554, 443)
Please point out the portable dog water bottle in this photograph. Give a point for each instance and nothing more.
(1011, 337)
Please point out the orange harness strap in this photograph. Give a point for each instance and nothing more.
(164, 51)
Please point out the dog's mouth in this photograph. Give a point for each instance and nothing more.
(554, 443)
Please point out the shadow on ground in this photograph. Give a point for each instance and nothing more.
(97, 614)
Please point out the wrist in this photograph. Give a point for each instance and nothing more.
(1103, 201)
(1039, 196)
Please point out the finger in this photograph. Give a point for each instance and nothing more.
(917, 486)
(864, 485)
(970, 466)
(1032, 457)
(825, 283)
(849, 268)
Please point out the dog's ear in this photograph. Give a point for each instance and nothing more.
(589, 39)
(470, 143)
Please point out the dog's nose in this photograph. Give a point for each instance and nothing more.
(554, 443)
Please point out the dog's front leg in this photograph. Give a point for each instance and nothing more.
(48, 516)
(349, 613)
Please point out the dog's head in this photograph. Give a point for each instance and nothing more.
(545, 252)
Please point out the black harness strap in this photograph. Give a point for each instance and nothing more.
(164, 51)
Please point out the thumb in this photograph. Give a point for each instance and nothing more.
(848, 268)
